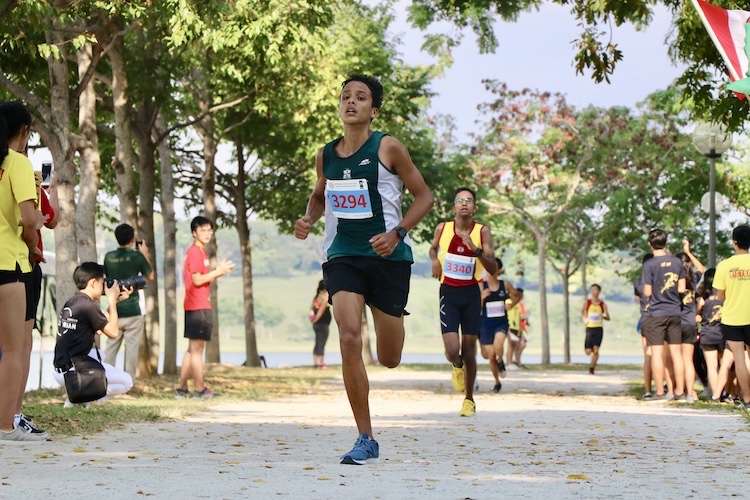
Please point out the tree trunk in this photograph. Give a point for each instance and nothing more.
(63, 154)
(566, 314)
(584, 259)
(170, 252)
(366, 348)
(125, 158)
(541, 239)
(90, 171)
(243, 229)
(206, 129)
(148, 364)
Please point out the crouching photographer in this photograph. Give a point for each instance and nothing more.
(81, 319)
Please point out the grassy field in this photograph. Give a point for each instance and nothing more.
(281, 306)
(155, 400)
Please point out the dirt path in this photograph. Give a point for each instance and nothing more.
(557, 434)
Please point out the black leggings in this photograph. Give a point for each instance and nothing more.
(321, 337)
(700, 364)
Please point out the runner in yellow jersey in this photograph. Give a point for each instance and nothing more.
(594, 313)
(460, 251)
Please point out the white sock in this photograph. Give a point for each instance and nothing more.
(16, 419)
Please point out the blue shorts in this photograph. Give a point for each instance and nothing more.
(490, 328)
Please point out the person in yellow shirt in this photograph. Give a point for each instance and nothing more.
(19, 220)
(515, 335)
(594, 313)
(732, 284)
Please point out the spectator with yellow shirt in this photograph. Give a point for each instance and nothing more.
(19, 221)
(732, 283)
(594, 313)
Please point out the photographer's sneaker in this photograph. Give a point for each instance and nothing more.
(364, 449)
(17, 436)
(68, 404)
(27, 425)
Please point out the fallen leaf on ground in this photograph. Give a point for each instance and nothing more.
(578, 477)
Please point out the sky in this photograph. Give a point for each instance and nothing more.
(536, 52)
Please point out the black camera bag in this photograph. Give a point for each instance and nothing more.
(86, 380)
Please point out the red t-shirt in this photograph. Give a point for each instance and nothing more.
(196, 261)
(46, 210)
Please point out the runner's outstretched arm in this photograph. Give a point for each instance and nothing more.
(316, 204)
(397, 158)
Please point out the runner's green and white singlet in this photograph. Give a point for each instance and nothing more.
(363, 198)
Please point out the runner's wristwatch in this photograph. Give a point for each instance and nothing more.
(479, 252)
(401, 232)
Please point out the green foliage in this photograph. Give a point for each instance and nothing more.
(525, 155)
(706, 74)
(648, 175)
(597, 52)
(736, 176)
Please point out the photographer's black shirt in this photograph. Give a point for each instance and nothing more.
(79, 321)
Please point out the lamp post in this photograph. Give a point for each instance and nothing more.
(711, 140)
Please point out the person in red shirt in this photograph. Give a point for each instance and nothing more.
(198, 277)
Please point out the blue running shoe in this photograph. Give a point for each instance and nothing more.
(363, 449)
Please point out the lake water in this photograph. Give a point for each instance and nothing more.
(45, 379)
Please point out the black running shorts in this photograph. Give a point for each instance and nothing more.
(383, 283)
(594, 337)
(689, 334)
(11, 276)
(736, 333)
(665, 329)
(460, 306)
(199, 324)
(713, 347)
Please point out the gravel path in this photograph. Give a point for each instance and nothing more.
(558, 434)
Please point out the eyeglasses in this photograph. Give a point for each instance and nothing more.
(461, 200)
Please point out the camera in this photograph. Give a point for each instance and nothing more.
(136, 282)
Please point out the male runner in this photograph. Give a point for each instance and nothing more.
(594, 313)
(494, 326)
(645, 313)
(664, 281)
(460, 250)
(361, 177)
(732, 282)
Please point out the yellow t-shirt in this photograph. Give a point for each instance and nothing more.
(594, 314)
(16, 185)
(733, 276)
(514, 315)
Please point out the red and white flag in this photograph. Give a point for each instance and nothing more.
(728, 31)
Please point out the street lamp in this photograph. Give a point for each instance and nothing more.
(711, 140)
